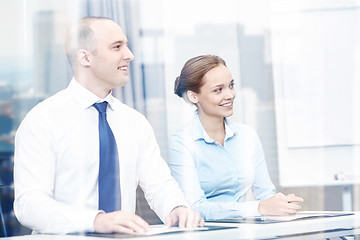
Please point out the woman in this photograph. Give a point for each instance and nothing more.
(217, 161)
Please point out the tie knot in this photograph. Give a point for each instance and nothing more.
(101, 107)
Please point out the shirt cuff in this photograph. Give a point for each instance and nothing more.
(250, 208)
(88, 220)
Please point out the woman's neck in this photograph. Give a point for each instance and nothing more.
(214, 127)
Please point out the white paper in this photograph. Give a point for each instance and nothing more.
(160, 229)
(299, 215)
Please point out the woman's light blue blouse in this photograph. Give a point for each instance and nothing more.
(216, 178)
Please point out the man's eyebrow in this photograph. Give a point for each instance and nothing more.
(121, 42)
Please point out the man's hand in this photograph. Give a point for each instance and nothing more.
(185, 217)
(120, 222)
(279, 204)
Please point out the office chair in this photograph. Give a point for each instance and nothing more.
(2, 224)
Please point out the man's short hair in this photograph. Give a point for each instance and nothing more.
(81, 36)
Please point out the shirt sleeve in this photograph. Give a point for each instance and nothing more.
(263, 188)
(161, 190)
(34, 176)
(181, 162)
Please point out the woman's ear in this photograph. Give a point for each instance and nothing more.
(192, 96)
(84, 57)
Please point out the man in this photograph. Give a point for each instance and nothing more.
(56, 169)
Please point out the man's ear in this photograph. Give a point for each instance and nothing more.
(192, 96)
(84, 57)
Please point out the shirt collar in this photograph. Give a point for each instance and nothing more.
(228, 130)
(200, 133)
(86, 98)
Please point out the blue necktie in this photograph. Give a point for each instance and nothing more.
(109, 177)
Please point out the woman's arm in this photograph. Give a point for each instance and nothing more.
(264, 190)
(183, 169)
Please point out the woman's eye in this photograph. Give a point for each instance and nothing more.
(218, 90)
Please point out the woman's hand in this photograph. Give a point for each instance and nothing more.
(279, 204)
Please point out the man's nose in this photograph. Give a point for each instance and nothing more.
(128, 55)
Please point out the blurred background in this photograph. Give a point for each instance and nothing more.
(296, 65)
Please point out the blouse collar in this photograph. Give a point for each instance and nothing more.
(200, 133)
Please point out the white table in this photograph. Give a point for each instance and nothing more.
(321, 228)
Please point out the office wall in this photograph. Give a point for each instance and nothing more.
(316, 79)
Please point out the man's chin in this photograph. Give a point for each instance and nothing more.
(122, 82)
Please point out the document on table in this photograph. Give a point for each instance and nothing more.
(162, 229)
(156, 230)
(274, 219)
(300, 215)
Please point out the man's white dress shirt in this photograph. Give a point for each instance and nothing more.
(57, 163)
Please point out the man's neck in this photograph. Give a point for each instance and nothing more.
(92, 85)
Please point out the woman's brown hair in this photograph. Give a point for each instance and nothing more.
(193, 72)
